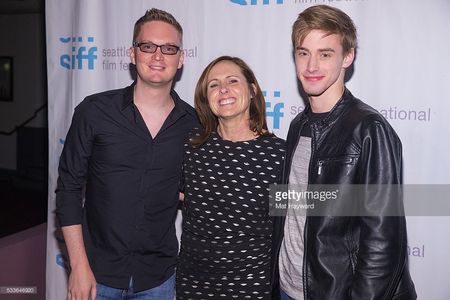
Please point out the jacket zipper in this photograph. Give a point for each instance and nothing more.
(322, 162)
(305, 228)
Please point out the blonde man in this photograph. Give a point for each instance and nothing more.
(338, 140)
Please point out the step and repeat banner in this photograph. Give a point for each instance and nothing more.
(401, 69)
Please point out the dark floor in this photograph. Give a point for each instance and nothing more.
(23, 203)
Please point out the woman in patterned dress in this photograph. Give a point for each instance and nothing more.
(228, 167)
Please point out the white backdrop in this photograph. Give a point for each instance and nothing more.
(402, 69)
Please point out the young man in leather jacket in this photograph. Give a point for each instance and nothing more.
(339, 140)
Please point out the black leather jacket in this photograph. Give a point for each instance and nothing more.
(350, 257)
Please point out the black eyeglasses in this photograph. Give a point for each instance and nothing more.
(149, 47)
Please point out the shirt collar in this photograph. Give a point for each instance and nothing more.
(180, 108)
(128, 95)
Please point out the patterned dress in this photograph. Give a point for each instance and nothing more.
(226, 241)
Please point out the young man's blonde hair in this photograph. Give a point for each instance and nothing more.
(328, 19)
(155, 14)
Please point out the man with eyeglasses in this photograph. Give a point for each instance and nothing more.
(125, 148)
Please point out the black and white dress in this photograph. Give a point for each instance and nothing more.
(226, 241)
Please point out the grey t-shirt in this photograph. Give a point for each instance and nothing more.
(291, 252)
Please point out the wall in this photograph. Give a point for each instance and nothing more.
(23, 38)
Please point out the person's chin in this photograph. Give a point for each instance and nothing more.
(311, 92)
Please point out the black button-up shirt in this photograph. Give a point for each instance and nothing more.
(131, 184)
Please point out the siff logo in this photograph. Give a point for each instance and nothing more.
(276, 112)
(254, 2)
(78, 55)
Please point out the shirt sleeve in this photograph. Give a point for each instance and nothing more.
(73, 167)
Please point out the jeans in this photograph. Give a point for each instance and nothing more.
(285, 296)
(166, 291)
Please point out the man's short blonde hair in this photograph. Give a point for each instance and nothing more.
(328, 19)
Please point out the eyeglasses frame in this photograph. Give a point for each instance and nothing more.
(139, 44)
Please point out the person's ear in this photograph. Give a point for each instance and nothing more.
(253, 92)
(349, 57)
(132, 57)
(181, 59)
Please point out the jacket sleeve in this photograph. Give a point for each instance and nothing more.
(73, 167)
(382, 237)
